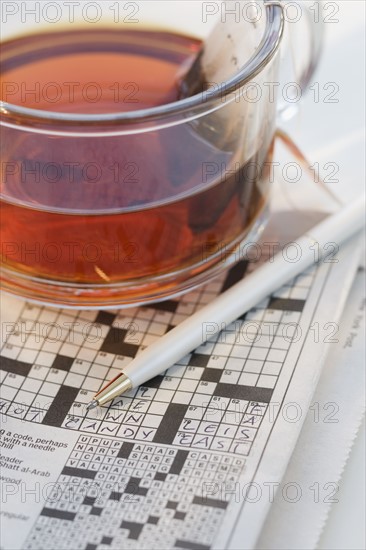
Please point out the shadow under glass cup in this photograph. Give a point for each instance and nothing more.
(124, 202)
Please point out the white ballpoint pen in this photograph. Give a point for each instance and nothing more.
(240, 298)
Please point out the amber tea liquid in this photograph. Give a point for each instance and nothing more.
(114, 208)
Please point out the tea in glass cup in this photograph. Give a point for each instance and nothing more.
(115, 190)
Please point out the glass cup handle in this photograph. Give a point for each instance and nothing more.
(312, 13)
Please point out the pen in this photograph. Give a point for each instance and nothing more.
(233, 303)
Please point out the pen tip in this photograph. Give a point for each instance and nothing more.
(92, 405)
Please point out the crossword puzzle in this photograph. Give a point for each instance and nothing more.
(156, 490)
(53, 361)
(142, 471)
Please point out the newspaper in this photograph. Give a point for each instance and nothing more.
(327, 438)
(180, 462)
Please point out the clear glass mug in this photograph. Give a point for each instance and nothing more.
(116, 209)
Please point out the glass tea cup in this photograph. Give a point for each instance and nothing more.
(130, 203)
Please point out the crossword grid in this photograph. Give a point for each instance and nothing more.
(158, 491)
(53, 362)
(147, 471)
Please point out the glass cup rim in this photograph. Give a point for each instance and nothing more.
(265, 52)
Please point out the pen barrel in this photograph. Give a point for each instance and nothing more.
(240, 298)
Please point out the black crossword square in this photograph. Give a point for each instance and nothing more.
(153, 520)
(14, 366)
(114, 343)
(105, 318)
(115, 336)
(159, 476)
(211, 375)
(199, 360)
(154, 382)
(89, 501)
(169, 306)
(115, 496)
(286, 304)
(235, 275)
(132, 486)
(62, 362)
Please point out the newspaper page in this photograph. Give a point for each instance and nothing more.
(179, 462)
(330, 431)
